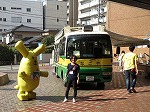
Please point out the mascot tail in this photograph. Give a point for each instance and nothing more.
(16, 87)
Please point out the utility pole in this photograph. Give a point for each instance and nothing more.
(73, 20)
(99, 11)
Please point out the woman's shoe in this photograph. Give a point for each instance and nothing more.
(73, 100)
(65, 100)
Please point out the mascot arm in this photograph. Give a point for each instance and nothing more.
(22, 74)
(44, 73)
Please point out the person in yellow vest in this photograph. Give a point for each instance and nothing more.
(130, 61)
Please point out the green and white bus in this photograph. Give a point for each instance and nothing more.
(94, 52)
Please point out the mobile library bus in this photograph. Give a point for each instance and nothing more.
(94, 52)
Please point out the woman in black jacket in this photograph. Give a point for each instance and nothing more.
(72, 73)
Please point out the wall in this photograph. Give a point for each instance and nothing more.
(52, 14)
(128, 20)
(45, 58)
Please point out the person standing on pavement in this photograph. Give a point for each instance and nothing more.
(130, 61)
(120, 60)
(72, 73)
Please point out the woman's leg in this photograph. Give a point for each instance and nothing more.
(75, 88)
(68, 88)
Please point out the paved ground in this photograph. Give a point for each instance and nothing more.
(50, 94)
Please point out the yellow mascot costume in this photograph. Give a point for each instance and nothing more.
(29, 72)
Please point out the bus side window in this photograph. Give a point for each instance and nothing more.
(62, 47)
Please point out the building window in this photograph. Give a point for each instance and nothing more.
(1, 29)
(4, 19)
(4, 8)
(5, 29)
(28, 9)
(16, 19)
(0, 19)
(0, 8)
(57, 20)
(57, 7)
(18, 37)
(28, 20)
(16, 8)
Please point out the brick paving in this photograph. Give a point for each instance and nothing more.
(50, 94)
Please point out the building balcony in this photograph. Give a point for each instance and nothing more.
(91, 4)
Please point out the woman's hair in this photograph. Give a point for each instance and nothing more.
(73, 56)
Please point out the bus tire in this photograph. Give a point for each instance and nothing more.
(101, 85)
(65, 84)
(53, 73)
(57, 76)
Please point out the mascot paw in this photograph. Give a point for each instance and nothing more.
(16, 87)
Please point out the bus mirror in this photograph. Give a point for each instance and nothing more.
(61, 52)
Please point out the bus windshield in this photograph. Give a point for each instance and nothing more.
(89, 46)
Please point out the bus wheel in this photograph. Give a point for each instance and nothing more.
(57, 75)
(53, 71)
(65, 84)
(101, 85)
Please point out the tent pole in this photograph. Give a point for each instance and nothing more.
(149, 56)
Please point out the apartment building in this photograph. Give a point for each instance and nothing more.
(17, 12)
(13, 13)
(92, 12)
(55, 15)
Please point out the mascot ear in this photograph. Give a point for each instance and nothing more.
(39, 49)
(21, 48)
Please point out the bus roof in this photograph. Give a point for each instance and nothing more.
(67, 31)
(80, 33)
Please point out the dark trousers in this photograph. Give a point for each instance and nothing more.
(74, 82)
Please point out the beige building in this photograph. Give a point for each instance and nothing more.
(55, 16)
(129, 21)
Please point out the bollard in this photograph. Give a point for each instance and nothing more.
(11, 67)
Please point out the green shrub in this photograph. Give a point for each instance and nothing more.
(6, 55)
(49, 40)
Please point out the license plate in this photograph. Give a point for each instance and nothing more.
(89, 78)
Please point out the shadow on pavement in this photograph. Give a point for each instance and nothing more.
(11, 82)
(51, 98)
(96, 98)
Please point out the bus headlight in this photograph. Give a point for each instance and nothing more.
(106, 73)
